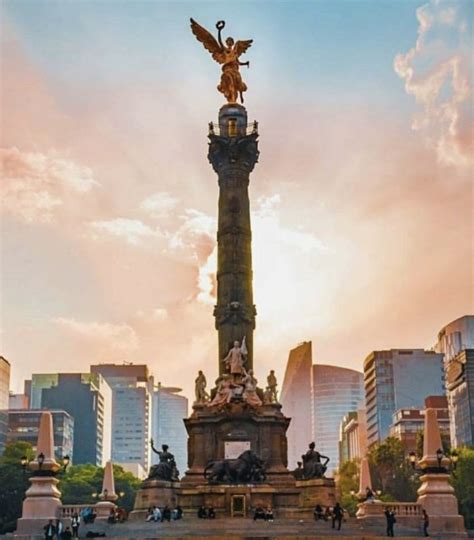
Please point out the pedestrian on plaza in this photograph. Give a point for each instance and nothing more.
(327, 513)
(59, 528)
(318, 512)
(66, 534)
(49, 530)
(426, 522)
(269, 514)
(75, 523)
(166, 514)
(337, 515)
(391, 520)
(202, 513)
(211, 514)
(177, 513)
(156, 514)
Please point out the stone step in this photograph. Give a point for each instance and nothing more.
(245, 528)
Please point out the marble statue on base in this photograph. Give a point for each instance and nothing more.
(200, 388)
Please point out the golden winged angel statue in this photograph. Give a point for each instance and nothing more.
(231, 84)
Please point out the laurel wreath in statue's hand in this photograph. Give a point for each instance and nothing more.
(220, 25)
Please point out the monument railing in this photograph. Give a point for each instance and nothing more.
(216, 129)
(68, 510)
(405, 509)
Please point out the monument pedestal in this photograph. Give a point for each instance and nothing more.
(436, 496)
(216, 434)
(158, 493)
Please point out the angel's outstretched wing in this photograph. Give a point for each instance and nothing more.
(208, 40)
(241, 46)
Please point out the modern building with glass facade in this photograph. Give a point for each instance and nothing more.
(169, 410)
(88, 399)
(460, 391)
(132, 397)
(295, 398)
(455, 337)
(335, 391)
(23, 425)
(4, 394)
(398, 379)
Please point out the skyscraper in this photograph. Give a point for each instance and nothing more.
(88, 399)
(456, 343)
(397, 379)
(23, 425)
(169, 409)
(335, 391)
(4, 393)
(455, 337)
(460, 391)
(295, 398)
(132, 393)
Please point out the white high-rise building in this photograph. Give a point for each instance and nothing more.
(169, 410)
(132, 402)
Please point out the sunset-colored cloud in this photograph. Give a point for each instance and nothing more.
(159, 204)
(132, 231)
(104, 338)
(437, 72)
(34, 184)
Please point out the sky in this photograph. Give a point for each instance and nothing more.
(362, 200)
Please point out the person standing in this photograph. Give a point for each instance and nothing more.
(75, 522)
(337, 514)
(49, 530)
(59, 529)
(391, 520)
(426, 522)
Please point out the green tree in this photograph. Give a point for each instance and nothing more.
(80, 482)
(463, 483)
(391, 472)
(13, 483)
(348, 481)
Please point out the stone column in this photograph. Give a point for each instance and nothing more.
(374, 508)
(435, 494)
(42, 501)
(107, 495)
(233, 154)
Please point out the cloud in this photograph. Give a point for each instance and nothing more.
(35, 184)
(133, 231)
(104, 337)
(196, 229)
(159, 204)
(437, 72)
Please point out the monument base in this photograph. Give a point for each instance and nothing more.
(158, 493)
(42, 503)
(437, 497)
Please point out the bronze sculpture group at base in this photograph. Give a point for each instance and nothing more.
(247, 468)
(166, 468)
(236, 384)
(311, 465)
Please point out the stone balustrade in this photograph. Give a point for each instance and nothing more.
(404, 508)
(68, 510)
